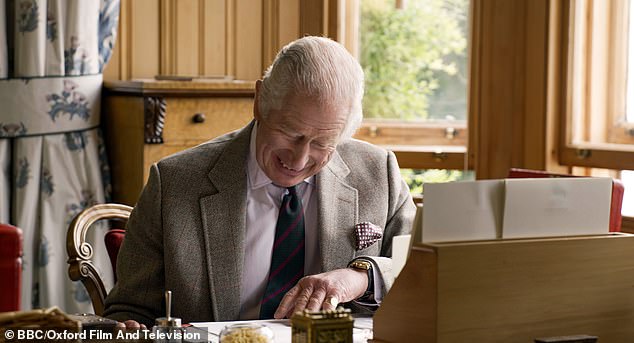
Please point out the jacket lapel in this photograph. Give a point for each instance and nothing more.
(223, 217)
(337, 215)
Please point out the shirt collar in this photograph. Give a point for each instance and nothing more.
(256, 176)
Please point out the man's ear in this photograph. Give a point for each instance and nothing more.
(256, 110)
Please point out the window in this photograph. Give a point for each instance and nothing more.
(414, 55)
(601, 92)
(597, 128)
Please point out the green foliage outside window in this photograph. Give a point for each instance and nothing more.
(410, 54)
(416, 179)
(414, 60)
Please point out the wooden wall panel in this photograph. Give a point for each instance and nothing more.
(311, 17)
(288, 22)
(556, 92)
(513, 115)
(336, 19)
(508, 94)
(248, 39)
(535, 119)
(236, 38)
(136, 52)
(186, 44)
(535, 76)
(167, 28)
(270, 33)
(230, 53)
(279, 27)
(214, 38)
(143, 48)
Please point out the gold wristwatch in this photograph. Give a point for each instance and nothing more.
(360, 264)
(366, 266)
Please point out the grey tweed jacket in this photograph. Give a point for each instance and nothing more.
(186, 233)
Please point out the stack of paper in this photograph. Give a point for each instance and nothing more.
(514, 208)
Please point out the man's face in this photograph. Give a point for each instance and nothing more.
(295, 142)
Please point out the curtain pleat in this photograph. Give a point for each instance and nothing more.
(30, 38)
(27, 170)
(55, 37)
(81, 48)
(52, 157)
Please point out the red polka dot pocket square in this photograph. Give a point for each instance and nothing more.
(367, 234)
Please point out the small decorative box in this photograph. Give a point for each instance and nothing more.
(322, 326)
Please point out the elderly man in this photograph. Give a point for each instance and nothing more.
(285, 214)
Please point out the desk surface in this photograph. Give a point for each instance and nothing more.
(282, 329)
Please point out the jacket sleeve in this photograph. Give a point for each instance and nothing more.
(138, 293)
(401, 211)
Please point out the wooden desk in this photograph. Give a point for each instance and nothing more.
(146, 120)
(512, 291)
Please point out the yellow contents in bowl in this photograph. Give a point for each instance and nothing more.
(241, 333)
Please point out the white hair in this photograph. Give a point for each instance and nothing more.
(317, 68)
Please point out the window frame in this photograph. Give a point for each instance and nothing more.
(587, 154)
(600, 113)
(425, 145)
(433, 145)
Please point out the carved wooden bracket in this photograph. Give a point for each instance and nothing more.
(154, 109)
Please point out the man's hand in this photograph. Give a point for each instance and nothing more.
(323, 291)
(130, 325)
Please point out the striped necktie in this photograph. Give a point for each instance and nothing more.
(287, 263)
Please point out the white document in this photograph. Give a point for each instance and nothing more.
(556, 207)
(459, 211)
(400, 251)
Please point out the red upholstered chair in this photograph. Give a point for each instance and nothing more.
(113, 239)
(80, 252)
(617, 192)
(10, 267)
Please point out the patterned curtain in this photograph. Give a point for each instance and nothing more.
(52, 158)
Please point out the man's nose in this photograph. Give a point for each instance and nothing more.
(301, 151)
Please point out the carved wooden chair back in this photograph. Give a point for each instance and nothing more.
(80, 252)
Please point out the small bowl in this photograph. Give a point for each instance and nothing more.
(246, 332)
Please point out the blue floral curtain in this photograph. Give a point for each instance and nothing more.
(52, 158)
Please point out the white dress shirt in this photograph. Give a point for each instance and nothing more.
(263, 206)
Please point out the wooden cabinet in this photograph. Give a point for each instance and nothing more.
(146, 120)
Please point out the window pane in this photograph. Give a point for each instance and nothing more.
(601, 77)
(415, 59)
(416, 178)
(597, 131)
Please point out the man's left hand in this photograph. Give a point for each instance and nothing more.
(323, 291)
